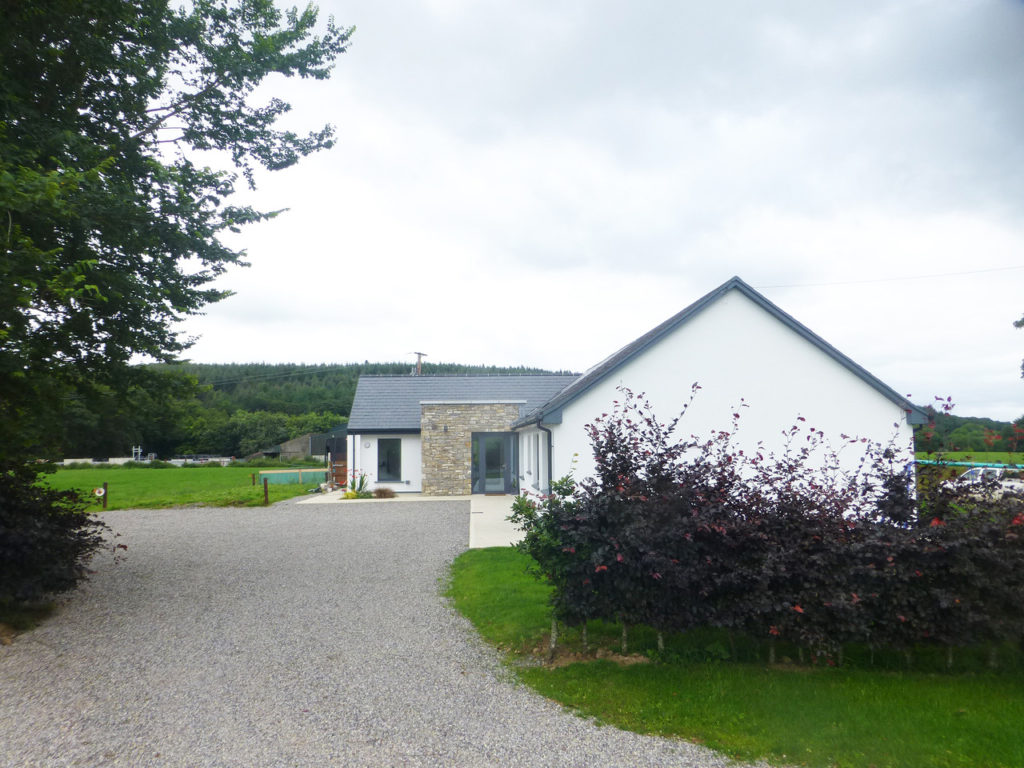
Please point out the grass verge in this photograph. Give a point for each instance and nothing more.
(842, 718)
(993, 457)
(143, 488)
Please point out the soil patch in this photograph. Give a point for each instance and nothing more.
(565, 656)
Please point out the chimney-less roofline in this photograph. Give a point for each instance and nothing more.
(472, 402)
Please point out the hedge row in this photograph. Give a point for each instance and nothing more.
(678, 534)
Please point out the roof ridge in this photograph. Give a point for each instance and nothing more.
(620, 356)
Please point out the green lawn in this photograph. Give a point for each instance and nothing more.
(992, 457)
(141, 487)
(849, 718)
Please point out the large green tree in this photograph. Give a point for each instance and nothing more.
(111, 227)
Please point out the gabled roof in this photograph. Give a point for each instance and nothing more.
(392, 403)
(549, 412)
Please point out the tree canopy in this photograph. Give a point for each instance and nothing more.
(110, 223)
(111, 226)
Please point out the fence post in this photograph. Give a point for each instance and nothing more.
(253, 476)
(266, 493)
(104, 495)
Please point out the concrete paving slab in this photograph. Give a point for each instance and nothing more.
(338, 497)
(487, 524)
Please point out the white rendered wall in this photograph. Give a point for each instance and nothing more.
(734, 349)
(363, 450)
(533, 461)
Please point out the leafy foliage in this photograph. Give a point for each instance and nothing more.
(946, 431)
(45, 536)
(358, 488)
(681, 534)
(111, 230)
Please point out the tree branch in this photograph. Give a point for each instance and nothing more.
(175, 109)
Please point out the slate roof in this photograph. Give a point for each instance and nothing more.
(392, 403)
(551, 409)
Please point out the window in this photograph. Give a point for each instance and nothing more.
(389, 460)
(536, 460)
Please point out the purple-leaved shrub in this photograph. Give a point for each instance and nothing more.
(686, 533)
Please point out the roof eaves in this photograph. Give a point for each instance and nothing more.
(913, 412)
(361, 430)
(617, 359)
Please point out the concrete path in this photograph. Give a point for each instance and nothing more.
(488, 526)
(295, 635)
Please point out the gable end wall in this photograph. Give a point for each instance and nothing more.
(738, 353)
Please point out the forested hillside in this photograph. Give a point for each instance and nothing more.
(238, 409)
(229, 410)
(295, 389)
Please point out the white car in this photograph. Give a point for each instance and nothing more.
(978, 475)
(994, 476)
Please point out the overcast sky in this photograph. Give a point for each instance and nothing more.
(539, 183)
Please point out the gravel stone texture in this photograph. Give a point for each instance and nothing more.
(293, 635)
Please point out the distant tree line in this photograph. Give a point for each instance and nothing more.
(947, 432)
(237, 409)
(227, 410)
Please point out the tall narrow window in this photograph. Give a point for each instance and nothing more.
(536, 461)
(389, 460)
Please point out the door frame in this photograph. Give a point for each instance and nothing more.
(509, 469)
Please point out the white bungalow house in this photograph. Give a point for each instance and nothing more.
(456, 435)
(444, 435)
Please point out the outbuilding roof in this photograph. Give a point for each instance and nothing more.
(392, 403)
(549, 412)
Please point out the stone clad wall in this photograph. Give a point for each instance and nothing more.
(447, 455)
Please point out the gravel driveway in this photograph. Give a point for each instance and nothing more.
(296, 635)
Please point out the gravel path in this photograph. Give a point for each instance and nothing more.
(297, 635)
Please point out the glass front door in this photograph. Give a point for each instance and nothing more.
(495, 462)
